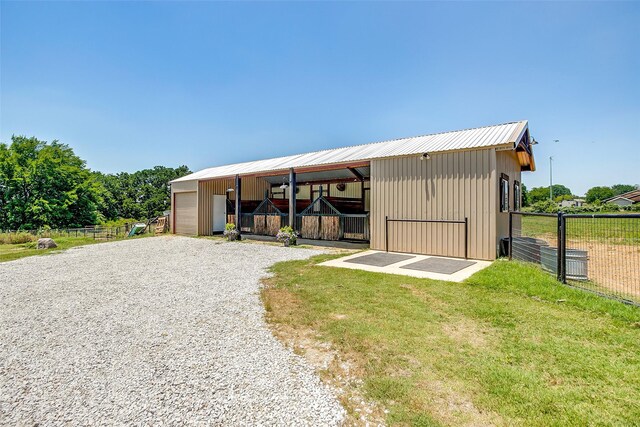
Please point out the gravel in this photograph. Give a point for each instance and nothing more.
(164, 330)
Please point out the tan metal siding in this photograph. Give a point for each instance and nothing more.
(507, 163)
(186, 213)
(448, 186)
(304, 193)
(353, 190)
(252, 189)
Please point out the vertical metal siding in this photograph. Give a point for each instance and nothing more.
(507, 163)
(448, 186)
(352, 190)
(304, 192)
(252, 189)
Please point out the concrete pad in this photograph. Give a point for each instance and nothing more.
(379, 259)
(439, 265)
(397, 268)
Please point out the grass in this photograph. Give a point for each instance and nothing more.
(510, 346)
(624, 231)
(10, 252)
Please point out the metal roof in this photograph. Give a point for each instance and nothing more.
(482, 137)
(632, 196)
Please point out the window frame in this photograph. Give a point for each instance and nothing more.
(517, 195)
(504, 188)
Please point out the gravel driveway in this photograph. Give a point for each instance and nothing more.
(149, 331)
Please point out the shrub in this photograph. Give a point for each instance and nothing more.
(547, 206)
(287, 235)
(16, 238)
(231, 232)
(119, 222)
(543, 206)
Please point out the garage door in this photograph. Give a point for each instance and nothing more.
(186, 213)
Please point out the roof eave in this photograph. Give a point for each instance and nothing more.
(301, 169)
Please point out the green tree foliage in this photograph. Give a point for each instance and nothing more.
(142, 194)
(525, 196)
(559, 199)
(45, 184)
(623, 188)
(539, 194)
(599, 194)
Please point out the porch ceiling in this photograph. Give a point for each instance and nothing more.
(325, 175)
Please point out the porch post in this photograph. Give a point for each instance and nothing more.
(292, 198)
(238, 191)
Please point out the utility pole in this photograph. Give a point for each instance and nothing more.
(551, 174)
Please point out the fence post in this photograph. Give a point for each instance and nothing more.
(386, 233)
(563, 249)
(559, 250)
(510, 249)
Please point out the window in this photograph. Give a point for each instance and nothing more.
(504, 193)
(516, 196)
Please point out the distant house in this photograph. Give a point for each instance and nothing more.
(625, 199)
(572, 203)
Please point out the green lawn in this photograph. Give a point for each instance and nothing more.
(510, 346)
(11, 252)
(624, 231)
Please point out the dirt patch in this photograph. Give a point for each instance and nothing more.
(612, 268)
(465, 331)
(450, 406)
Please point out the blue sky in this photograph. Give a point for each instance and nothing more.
(130, 85)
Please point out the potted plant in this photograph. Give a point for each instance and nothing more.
(231, 232)
(287, 236)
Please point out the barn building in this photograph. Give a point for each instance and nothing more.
(444, 194)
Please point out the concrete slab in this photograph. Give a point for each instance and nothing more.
(397, 268)
(380, 259)
(439, 265)
(339, 244)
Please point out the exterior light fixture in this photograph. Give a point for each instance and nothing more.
(284, 185)
(229, 190)
(425, 156)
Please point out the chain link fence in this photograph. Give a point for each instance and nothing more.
(599, 253)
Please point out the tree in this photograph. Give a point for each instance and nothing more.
(599, 194)
(525, 196)
(45, 184)
(622, 188)
(139, 195)
(539, 194)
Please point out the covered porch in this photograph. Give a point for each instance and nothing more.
(326, 203)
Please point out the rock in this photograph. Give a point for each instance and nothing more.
(46, 243)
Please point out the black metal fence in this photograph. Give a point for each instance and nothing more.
(350, 226)
(599, 253)
(91, 232)
(95, 232)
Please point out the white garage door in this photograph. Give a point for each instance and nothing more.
(186, 213)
